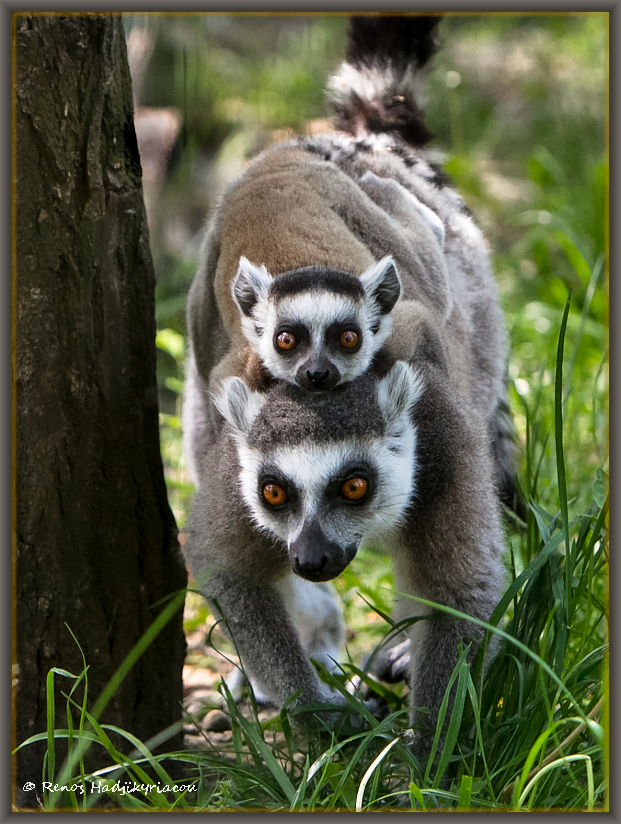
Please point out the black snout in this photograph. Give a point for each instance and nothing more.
(310, 569)
(316, 558)
(317, 375)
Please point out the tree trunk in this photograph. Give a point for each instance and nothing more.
(96, 544)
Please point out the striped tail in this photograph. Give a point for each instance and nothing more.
(374, 91)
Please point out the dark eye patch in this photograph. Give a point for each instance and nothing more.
(299, 332)
(336, 330)
(334, 489)
(271, 476)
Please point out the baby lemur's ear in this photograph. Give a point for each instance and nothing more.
(399, 391)
(238, 404)
(381, 283)
(251, 283)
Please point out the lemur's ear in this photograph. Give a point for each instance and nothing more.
(249, 285)
(382, 284)
(399, 391)
(238, 404)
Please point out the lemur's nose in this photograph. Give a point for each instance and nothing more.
(310, 569)
(317, 377)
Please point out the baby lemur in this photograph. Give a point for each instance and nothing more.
(346, 385)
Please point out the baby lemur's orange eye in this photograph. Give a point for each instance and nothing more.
(286, 341)
(355, 488)
(349, 339)
(274, 494)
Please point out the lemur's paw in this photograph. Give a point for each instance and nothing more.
(391, 664)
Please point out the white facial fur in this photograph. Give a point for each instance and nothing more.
(317, 311)
(309, 468)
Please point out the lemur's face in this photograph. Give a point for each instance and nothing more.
(316, 327)
(326, 472)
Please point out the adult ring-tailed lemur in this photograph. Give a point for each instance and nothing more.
(346, 385)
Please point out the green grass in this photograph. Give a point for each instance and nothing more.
(518, 107)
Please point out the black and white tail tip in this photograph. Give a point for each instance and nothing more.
(374, 90)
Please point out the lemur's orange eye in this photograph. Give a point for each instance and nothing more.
(286, 341)
(274, 494)
(349, 339)
(355, 488)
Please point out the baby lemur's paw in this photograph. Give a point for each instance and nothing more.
(398, 201)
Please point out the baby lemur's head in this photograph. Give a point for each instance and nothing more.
(316, 327)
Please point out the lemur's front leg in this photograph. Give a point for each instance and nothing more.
(317, 616)
(450, 549)
(265, 638)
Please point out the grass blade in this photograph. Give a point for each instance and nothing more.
(558, 435)
(465, 793)
(559, 763)
(374, 765)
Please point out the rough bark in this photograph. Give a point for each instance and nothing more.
(95, 542)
